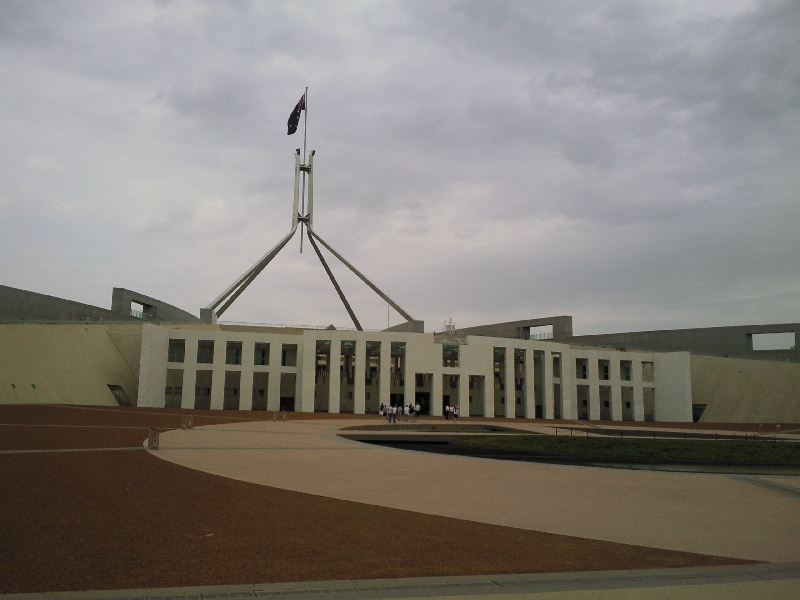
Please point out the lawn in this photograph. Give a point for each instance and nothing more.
(644, 450)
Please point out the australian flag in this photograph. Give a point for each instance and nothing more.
(294, 118)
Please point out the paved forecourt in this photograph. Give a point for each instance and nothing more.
(745, 517)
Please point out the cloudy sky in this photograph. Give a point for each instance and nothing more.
(635, 165)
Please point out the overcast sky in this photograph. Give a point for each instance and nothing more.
(635, 165)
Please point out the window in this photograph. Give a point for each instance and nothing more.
(205, 351)
(233, 353)
(177, 351)
(556, 365)
(289, 355)
(582, 368)
(625, 370)
(647, 371)
(604, 367)
(449, 355)
(774, 341)
(261, 354)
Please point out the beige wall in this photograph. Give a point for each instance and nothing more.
(68, 364)
(737, 390)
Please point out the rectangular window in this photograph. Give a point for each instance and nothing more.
(177, 351)
(202, 389)
(205, 351)
(604, 367)
(774, 341)
(233, 353)
(625, 370)
(449, 355)
(173, 394)
(233, 380)
(556, 365)
(648, 373)
(261, 354)
(260, 387)
(582, 368)
(289, 355)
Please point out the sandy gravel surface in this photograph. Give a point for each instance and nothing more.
(703, 513)
(126, 519)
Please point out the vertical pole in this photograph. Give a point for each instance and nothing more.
(305, 127)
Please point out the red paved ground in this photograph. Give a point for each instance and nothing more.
(124, 519)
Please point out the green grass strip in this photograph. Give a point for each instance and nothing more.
(646, 450)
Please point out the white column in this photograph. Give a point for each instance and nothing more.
(274, 384)
(189, 377)
(547, 400)
(530, 383)
(511, 385)
(616, 390)
(385, 375)
(217, 383)
(359, 389)
(569, 401)
(306, 374)
(463, 394)
(335, 376)
(436, 393)
(409, 380)
(594, 389)
(638, 394)
(246, 389)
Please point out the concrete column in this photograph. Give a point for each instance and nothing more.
(218, 376)
(436, 393)
(616, 390)
(530, 383)
(511, 385)
(594, 389)
(569, 401)
(463, 394)
(246, 389)
(335, 378)
(385, 375)
(638, 393)
(409, 391)
(547, 409)
(306, 374)
(359, 391)
(189, 377)
(274, 384)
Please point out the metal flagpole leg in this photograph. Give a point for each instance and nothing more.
(374, 288)
(334, 282)
(248, 277)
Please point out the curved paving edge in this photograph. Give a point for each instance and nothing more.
(702, 513)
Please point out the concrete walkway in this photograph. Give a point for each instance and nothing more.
(744, 516)
(749, 581)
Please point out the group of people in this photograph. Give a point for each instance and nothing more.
(452, 412)
(391, 412)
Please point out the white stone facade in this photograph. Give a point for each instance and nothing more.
(551, 380)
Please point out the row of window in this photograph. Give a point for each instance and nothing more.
(450, 358)
(233, 353)
(604, 369)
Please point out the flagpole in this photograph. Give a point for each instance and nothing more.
(305, 127)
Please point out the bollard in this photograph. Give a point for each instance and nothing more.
(152, 439)
(284, 416)
(274, 416)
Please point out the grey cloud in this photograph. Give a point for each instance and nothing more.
(486, 161)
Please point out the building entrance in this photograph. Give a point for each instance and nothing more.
(423, 399)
